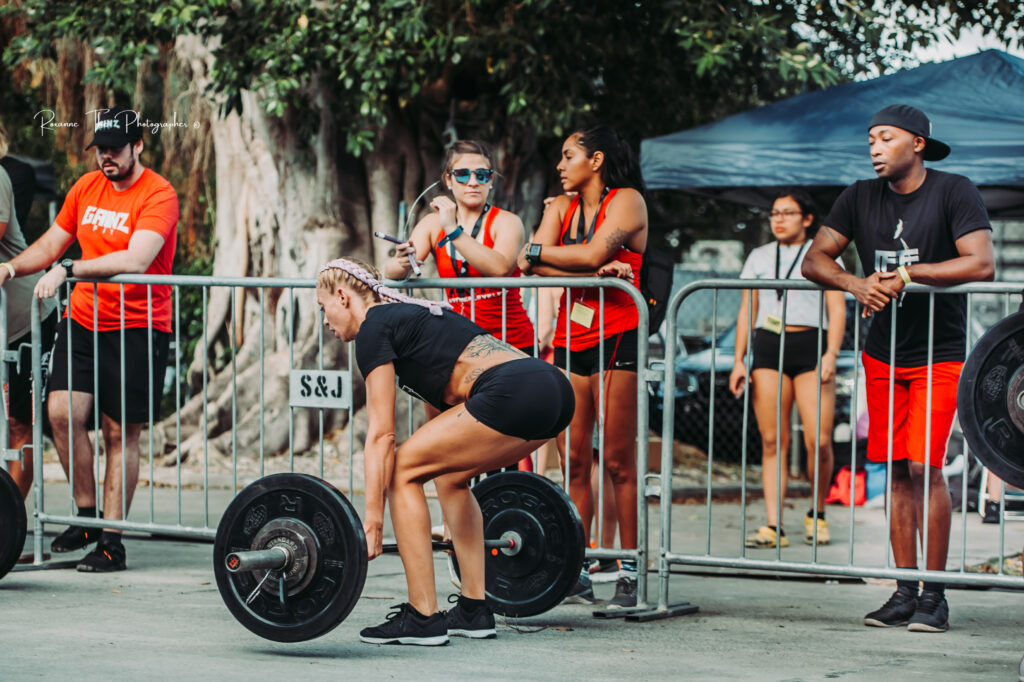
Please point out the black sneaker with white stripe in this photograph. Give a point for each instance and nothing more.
(406, 625)
(468, 619)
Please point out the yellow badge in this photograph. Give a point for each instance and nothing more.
(581, 314)
(773, 323)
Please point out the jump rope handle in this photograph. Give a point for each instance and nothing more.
(411, 256)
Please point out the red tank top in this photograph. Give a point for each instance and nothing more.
(484, 306)
(620, 313)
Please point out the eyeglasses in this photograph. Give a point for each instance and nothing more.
(784, 214)
(461, 175)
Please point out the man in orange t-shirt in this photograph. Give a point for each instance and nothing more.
(124, 217)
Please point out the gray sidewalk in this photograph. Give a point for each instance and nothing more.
(164, 619)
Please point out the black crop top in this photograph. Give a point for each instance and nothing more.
(424, 347)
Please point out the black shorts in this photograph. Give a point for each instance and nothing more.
(799, 357)
(137, 390)
(525, 398)
(19, 384)
(620, 352)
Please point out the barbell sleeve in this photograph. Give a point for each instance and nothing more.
(274, 559)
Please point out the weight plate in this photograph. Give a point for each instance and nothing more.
(990, 399)
(540, 575)
(307, 513)
(12, 523)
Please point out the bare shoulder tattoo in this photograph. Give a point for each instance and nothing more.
(485, 344)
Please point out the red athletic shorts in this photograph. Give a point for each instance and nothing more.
(909, 410)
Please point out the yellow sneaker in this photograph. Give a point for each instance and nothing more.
(823, 536)
(765, 538)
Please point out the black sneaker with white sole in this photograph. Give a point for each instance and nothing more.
(897, 611)
(405, 625)
(932, 614)
(583, 591)
(625, 591)
(466, 621)
(106, 557)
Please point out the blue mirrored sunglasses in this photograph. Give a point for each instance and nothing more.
(461, 175)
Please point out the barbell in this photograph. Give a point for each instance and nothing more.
(290, 554)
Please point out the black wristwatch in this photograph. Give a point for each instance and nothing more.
(66, 264)
(533, 253)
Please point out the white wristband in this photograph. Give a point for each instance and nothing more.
(10, 269)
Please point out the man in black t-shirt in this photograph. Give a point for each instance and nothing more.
(911, 224)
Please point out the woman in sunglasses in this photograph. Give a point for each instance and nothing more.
(793, 222)
(469, 237)
(602, 230)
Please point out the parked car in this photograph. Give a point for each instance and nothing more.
(692, 417)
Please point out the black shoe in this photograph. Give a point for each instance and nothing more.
(625, 591)
(75, 538)
(476, 625)
(991, 512)
(583, 591)
(105, 558)
(932, 614)
(897, 611)
(406, 626)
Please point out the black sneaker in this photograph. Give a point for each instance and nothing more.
(991, 512)
(583, 591)
(479, 625)
(105, 558)
(75, 538)
(932, 614)
(625, 591)
(897, 611)
(405, 625)
(604, 571)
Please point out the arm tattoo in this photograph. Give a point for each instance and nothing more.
(485, 344)
(616, 239)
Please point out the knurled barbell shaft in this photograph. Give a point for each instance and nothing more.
(439, 546)
(274, 559)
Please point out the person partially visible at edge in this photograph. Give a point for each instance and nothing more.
(601, 231)
(124, 217)
(794, 220)
(18, 391)
(470, 237)
(495, 406)
(910, 224)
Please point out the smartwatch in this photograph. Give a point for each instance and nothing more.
(66, 264)
(533, 253)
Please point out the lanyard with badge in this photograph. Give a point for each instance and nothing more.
(773, 323)
(581, 313)
(461, 267)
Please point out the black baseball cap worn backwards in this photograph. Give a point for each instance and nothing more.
(914, 122)
(115, 128)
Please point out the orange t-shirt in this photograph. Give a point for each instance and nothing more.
(103, 219)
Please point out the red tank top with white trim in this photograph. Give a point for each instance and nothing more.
(620, 313)
(484, 306)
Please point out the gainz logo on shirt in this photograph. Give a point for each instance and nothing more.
(100, 218)
(884, 259)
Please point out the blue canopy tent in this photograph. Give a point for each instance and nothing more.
(819, 140)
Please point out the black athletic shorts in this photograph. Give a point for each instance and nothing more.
(19, 384)
(526, 398)
(136, 365)
(619, 353)
(800, 356)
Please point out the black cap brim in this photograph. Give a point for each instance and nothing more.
(935, 150)
(110, 138)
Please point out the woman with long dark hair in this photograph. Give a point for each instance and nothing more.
(602, 231)
(794, 220)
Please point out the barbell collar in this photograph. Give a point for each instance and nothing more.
(275, 558)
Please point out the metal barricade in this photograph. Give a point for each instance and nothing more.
(195, 514)
(812, 563)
